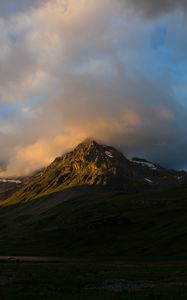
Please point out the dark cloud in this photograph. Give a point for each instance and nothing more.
(152, 8)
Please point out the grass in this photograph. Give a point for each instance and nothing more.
(84, 279)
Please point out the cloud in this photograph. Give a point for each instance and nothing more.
(154, 8)
(73, 69)
(165, 114)
(15, 6)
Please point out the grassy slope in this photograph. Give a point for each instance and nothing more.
(97, 222)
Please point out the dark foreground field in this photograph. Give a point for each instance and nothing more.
(135, 245)
(90, 279)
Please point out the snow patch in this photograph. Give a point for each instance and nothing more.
(148, 180)
(109, 154)
(10, 180)
(145, 164)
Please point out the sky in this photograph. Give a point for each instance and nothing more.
(113, 70)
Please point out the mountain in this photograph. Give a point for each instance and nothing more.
(94, 164)
(8, 187)
(95, 201)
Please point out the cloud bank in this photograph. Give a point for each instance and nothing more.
(70, 69)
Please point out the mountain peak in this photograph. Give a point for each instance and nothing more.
(91, 163)
(88, 142)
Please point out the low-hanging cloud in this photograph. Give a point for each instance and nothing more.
(73, 69)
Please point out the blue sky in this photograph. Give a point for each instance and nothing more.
(158, 38)
(113, 70)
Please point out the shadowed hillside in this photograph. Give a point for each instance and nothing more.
(96, 221)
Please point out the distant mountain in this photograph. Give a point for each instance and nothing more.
(94, 164)
(8, 187)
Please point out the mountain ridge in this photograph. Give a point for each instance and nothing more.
(92, 163)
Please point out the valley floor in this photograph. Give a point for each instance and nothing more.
(93, 278)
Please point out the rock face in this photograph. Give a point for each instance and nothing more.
(91, 163)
